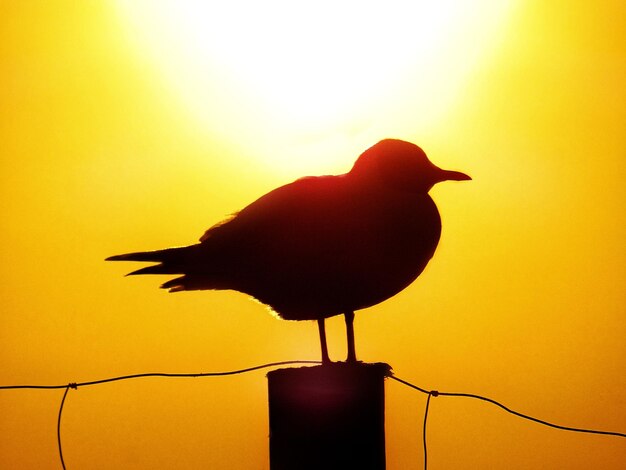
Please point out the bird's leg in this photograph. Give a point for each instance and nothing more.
(322, 328)
(350, 331)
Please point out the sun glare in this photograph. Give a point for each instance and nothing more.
(305, 70)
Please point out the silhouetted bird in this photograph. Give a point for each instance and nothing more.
(321, 246)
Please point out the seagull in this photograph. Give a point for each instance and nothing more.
(320, 246)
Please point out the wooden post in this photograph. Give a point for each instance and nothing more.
(328, 417)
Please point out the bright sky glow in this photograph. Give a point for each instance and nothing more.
(325, 68)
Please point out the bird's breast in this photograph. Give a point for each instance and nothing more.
(400, 239)
(345, 256)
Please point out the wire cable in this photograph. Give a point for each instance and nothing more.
(424, 432)
(507, 409)
(435, 393)
(75, 386)
(67, 387)
(156, 374)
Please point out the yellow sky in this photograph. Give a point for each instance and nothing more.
(115, 136)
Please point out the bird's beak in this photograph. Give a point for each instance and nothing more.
(448, 175)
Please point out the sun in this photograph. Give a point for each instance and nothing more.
(305, 70)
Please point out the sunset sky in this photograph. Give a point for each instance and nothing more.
(135, 125)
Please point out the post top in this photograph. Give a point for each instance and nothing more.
(334, 369)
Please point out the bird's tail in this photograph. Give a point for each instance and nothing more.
(170, 260)
(190, 261)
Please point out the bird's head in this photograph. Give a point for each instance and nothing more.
(402, 165)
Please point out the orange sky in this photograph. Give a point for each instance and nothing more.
(118, 137)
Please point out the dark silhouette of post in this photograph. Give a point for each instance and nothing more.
(328, 417)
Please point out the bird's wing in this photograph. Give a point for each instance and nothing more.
(289, 227)
(295, 207)
(205, 236)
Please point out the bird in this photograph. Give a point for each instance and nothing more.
(320, 246)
